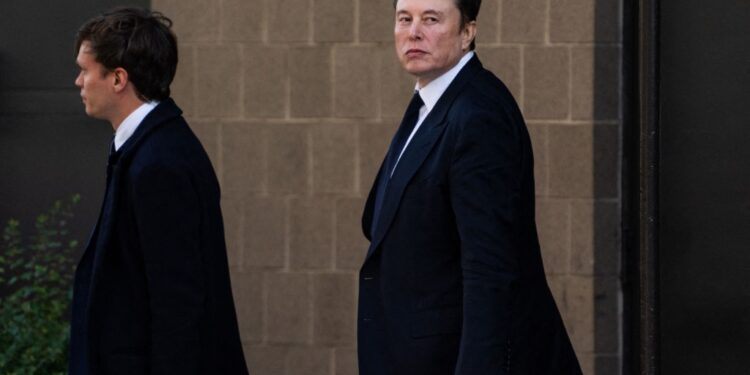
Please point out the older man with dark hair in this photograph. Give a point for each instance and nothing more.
(453, 281)
(152, 293)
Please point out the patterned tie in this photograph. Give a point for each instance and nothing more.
(397, 144)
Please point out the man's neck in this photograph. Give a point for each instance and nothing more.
(424, 81)
(128, 106)
(447, 76)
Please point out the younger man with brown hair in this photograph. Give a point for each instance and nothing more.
(152, 293)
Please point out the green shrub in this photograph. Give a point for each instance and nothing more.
(36, 272)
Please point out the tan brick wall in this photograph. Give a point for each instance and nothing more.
(296, 101)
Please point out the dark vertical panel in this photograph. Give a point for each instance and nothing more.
(629, 264)
(49, 149)
(705, 187)
(647, 109)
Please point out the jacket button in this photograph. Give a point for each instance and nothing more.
(367, 278)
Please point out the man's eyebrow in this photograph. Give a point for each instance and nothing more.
(428, 12)
(432, 12)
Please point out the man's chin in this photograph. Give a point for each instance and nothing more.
(423, 76)
(92, 113)
(416, 70)
(415, 66)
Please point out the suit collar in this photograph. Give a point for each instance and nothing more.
(437, 115)
(130, 124)
(418, 149)
(164, 111)
(434, 90)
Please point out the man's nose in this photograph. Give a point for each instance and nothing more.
(78, 81)
(415, 30)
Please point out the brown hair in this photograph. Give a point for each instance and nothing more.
(137, 40)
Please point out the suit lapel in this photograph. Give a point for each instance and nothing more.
(367, 214)
(417, 150)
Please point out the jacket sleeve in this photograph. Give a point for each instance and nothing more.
(168, 216)
(484, 189)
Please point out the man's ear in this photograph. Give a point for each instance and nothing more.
(121, 79)
(468, 33)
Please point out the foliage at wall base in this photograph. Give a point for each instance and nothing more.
(36, 272)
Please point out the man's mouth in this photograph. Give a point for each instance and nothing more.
(415, 52)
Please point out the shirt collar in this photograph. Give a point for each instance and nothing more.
(128, 126)
(431, 93)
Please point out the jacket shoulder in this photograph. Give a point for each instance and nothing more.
(486, 92)
(171, 145)
(485, 99)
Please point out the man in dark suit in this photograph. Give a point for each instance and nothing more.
(152, 293)
(453, 281)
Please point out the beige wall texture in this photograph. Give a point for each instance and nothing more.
(296, 101)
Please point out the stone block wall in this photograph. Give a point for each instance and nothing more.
(296, 102)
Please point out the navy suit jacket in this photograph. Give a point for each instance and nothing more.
(453, 281)
(152, 293)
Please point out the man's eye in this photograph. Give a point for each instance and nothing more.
(430, 20)
(404, 19)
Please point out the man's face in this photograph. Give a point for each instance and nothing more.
(429, 37)
(96, 84)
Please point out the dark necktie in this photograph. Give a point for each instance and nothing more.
(397, 144)
(112, 149)
(112, 159)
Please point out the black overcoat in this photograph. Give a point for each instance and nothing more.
(453, 281)
(152, 293)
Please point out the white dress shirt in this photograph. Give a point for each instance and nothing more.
(430, 95)
(128, 126)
